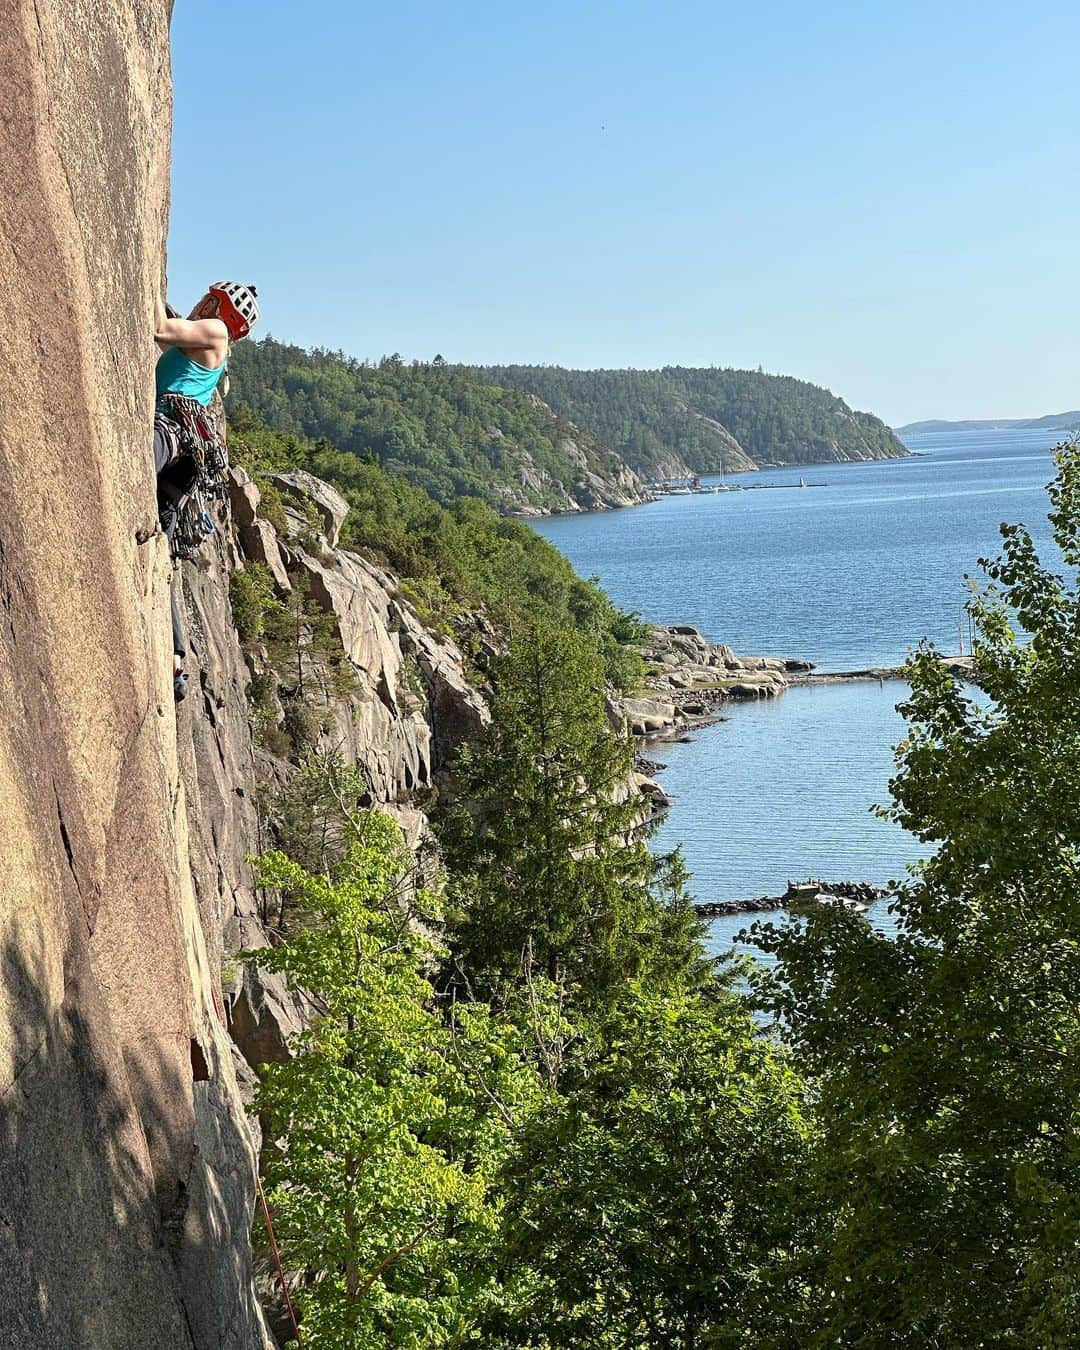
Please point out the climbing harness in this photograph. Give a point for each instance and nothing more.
(197, 436)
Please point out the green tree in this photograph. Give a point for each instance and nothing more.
(251, 595)
(546, 841)
(946, 1064)
(656, 1201)
(305, 645)
(378, 1138)
(316, 812)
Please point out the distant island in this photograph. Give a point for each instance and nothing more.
(1066, 421)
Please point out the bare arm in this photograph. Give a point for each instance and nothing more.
(191, 334)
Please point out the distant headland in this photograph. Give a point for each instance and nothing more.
(1066, 421)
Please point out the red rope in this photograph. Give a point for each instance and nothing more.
(277, 1260)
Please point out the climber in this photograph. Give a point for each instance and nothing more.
(189, 441)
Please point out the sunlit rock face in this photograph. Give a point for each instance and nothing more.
(411, 703)
(126, 1162)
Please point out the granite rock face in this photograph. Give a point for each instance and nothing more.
(411, 702)
(735, 458)
(329, 504)
(126, 1159)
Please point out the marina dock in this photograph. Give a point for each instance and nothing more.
(688, 487)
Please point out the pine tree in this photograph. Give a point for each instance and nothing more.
(547, 840)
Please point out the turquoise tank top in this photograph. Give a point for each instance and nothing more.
(179, 374)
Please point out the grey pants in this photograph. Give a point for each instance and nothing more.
(164, 455)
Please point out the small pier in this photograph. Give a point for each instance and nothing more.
(769, 487)
(688, 487)
(963, 667)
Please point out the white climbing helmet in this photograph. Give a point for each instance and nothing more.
(237, 307)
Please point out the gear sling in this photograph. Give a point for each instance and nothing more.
(191, 459)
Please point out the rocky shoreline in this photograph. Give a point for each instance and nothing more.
(688, 680)
(688, 683)
(857, 896)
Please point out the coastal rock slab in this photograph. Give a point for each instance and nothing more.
(646, 716)
(457, 710)
(330, 504)
(257, 537)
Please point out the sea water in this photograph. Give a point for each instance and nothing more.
(848, 572)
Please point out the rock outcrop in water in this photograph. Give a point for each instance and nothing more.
(688, 680)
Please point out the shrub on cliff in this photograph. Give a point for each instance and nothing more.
(251, 595)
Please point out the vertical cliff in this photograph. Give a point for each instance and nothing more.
(125, 1159)
(127, 1030)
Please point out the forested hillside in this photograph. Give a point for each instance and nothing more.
(534, 439)
(444, 429)
(707, 418)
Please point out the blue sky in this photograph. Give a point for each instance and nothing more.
(882, 198)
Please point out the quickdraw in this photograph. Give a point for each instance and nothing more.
(199, 436)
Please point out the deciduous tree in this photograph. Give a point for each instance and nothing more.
(946, 1063)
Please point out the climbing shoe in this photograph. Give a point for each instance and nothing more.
(180, 685)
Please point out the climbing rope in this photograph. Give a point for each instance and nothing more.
(277, 1260)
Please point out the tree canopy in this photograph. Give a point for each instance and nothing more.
(945, 1065)
(441, 428)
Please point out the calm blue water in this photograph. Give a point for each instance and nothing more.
(847, 575)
